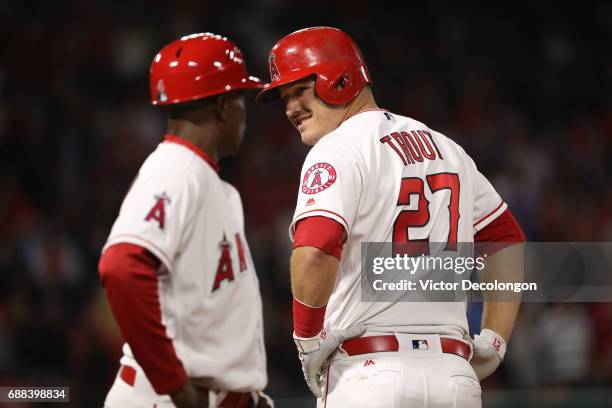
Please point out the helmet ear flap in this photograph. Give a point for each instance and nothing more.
(337, 91)
(342, 81)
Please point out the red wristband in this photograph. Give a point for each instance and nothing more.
(307, 320)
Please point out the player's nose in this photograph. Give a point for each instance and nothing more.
(292, 107)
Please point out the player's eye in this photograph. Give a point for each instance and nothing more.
(300, 91)
(285, 96)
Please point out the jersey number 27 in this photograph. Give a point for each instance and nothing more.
(402, 244)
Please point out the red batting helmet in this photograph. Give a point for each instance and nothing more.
(326, 52)
(197, 66)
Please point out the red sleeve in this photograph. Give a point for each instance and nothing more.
(320, 232)
(500, 233)
(128, 274)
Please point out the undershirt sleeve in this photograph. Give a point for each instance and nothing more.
(503, 231)
(128, 274)
(320, 232)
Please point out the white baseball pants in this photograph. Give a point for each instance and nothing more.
(138, 392)
(408, 378)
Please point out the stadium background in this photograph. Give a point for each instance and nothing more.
(527, 90)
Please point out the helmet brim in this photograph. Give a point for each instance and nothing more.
(252, 82)
(246, 83)
(270, 92)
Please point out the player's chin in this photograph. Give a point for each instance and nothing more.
(309, 137)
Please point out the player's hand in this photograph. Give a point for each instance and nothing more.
(314, 352)
(489, 351)
(190, 397)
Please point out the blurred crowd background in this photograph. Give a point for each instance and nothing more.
(526, 90)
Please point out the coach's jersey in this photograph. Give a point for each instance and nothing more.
(389, 178)
(192, 221)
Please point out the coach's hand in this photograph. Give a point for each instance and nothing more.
(489, 351)
(190, 397)
(314, 352)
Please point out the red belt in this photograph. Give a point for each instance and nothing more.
(377, 344)
(232, 399)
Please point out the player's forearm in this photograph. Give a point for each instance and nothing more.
(500, 317)
(501, 308)
(313, 274)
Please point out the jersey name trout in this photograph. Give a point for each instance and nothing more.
(412, 147)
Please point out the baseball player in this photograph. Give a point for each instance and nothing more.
(375, 176)
(176, 266)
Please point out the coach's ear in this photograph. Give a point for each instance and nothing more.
(222, 107)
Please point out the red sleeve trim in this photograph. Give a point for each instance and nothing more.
(489, 214)
(128, 274)
(307, 320)
(503, 231)
(330, 212)
(320, 232)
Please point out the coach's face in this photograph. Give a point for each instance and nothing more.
(235, 123)
(312, 117)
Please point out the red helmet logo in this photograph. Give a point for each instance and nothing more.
(161, 91)
(274, 74)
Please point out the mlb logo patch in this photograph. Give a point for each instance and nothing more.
(420, 345)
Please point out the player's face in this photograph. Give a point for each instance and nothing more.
(312, 117)
(236, 125)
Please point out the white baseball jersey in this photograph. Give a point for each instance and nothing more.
(389, 178)
(192, 221)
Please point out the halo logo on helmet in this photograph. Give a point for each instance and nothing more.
(325, 52)
(198, 66)
(274, 74)
(161, 91)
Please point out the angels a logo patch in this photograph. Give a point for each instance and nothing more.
(274, 74)
(318, 178)
(158, 211)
